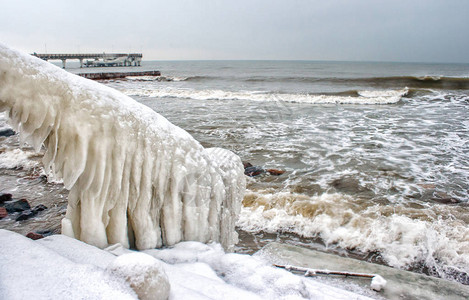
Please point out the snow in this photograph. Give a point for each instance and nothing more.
(32, 271)
(134, 178)
(378, 283)
(248, 273)
(145, 275)
(59, 267)
(62, 245)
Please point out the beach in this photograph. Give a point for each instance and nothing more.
(375, 154)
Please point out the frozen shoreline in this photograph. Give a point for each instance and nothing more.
(62, 267)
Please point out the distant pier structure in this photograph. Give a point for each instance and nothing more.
(97, 59)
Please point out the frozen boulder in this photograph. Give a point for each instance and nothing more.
(144, 273)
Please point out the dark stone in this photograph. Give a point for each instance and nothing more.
(27, 214)
(3, 213)
(45, 232)
(17, 206)
(34, 236)
(449, 200)
(5, 198)
(7, 132)
(246, 164)
(444, 198)
(253, 171)
(347, 184)
(275, 172)
(39, 207)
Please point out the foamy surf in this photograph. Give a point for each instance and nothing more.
(364, 97)
(402, 239)
(155, 78)
(18, 159)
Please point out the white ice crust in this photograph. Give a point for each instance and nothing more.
(34, 271)
(58, 267)
(134, 178)
(378, 283)
(144, 274)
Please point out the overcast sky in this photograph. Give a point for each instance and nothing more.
(361, 30)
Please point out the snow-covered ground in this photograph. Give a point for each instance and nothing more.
(59, 267)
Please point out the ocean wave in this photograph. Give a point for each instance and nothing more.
(351, 97)
(403, 237)
(156, 78)
(385, 82)
(427, 81)
(169, 78)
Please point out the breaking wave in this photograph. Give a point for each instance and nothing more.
(387, 82)
(350, 97)
(428, 81)
(403, 237)
(155, 78)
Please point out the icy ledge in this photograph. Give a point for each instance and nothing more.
(134, 178)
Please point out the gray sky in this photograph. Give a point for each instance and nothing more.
(361, 30)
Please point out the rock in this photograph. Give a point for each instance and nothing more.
(3, 213)
(253, 171)
(27, 214)
(275, 172)
(17, 206)
(351, 185)
(45, 232)
(427, 186)
(444, 198)
(449, 200)
(7, 132)
(34, 236)
(5, 198)
(39, 208)
(378, 283)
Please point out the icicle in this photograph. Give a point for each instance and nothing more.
(134, 178)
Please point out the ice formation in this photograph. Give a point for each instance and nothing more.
(70, 269)
(144, 274)
(378, 283)
(134, 178)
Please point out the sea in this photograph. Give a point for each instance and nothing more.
(376, 155)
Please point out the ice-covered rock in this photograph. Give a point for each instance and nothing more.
(59, 267)
(144, 273)
(134, 178)
(378, 283)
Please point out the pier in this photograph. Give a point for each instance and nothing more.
(115, 75)
(97, 59)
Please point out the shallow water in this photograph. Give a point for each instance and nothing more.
(384, 179)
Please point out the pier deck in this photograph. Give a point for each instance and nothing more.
(97, 59)
(115, 75)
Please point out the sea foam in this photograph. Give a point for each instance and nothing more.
(364, 97)
(402, 240)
